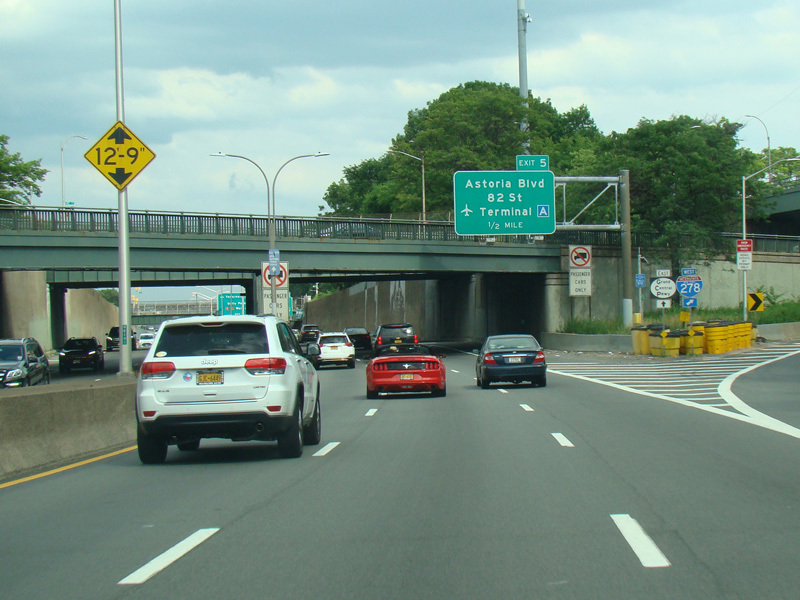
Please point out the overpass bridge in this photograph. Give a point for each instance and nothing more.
(79, 248)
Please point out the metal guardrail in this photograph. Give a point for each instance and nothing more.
(216, 224)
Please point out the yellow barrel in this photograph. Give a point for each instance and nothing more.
(665, 343)
(699, 327)
(692, 342)
(672, 343)
(747, 336)
(641, 344)
(716, 338)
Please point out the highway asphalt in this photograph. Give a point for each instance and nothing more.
(587, 488)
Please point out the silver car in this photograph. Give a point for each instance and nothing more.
(234, 377)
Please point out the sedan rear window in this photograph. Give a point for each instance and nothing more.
(197, 339)
(520, 343)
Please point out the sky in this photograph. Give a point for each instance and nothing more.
(272, 80)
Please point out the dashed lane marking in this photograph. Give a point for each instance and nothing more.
(162, 561)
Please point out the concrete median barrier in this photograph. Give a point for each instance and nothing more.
(50, 425)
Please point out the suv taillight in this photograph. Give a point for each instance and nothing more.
(416, 339)
(266, 366)
(379, 340)
(157, 370)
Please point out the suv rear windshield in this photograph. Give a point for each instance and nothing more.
(79, 344)
(397, 331)
(214, 339)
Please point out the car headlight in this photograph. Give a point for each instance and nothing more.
(14, 374)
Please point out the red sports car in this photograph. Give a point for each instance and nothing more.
(404, 369)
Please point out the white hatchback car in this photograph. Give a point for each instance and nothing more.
(234, 377)
(336, 348)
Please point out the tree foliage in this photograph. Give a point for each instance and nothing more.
(19, 180)
(475, 126)
(686, 174)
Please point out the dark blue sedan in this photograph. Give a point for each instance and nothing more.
(512, 358)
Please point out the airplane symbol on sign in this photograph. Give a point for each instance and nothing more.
(467, 211)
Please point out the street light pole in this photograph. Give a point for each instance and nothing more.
(745, 178)
(422, 160)
(63, 145)
(769, 148)
(271, 209)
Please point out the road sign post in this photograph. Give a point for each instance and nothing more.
(504, 202)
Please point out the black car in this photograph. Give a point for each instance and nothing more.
(309, 333)
(81, 353)
(392, 334)
(112, 339)
(360, 338)
(23, 363)
(513, 358)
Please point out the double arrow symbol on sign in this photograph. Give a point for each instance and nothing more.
(119, 136)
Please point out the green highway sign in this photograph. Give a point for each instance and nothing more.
(504, 202)
(533, 162)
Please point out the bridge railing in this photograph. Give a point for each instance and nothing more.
(31, 218)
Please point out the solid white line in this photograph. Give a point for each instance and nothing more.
(326, 449)
(562, 439)
(526, 408)
(371, 412)
(643, 546)
(164, 560)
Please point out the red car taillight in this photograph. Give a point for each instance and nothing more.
(539, 357)
(488, 359)
(157, 370)
(266, 366)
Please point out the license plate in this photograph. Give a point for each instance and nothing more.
(334, 347)
(209, 377)
(406, 376)
(514, 359)
(398, 341)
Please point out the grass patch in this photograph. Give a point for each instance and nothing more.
(780, 312)
(594, 326)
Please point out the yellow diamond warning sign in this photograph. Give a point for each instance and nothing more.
(119, 155)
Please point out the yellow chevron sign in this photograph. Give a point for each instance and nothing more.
(755, 302)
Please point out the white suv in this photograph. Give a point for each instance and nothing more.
(234, 377)
(336, 348)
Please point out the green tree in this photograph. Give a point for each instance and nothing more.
(474, 126)
(19, 180)
(685, 183)
(111, 295)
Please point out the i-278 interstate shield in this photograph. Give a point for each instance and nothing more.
(504, 202)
